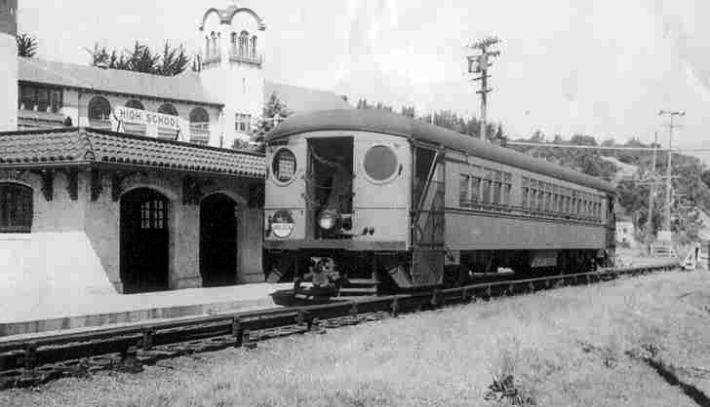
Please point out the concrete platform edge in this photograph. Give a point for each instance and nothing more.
(129, 316)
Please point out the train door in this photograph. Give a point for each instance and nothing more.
(427, 228)
(330, 186)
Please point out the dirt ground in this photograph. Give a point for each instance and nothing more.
(639, 341)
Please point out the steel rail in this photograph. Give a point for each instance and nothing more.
(22, 360)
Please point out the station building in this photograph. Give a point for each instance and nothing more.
(120, 182)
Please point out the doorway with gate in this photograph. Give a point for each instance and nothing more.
(144, 241)
(218, 241)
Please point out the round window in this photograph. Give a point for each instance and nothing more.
(284, 165)
(380, 163)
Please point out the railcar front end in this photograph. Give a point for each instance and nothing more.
(336, 202)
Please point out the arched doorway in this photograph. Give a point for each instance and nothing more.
(218, 241)
(144, 241)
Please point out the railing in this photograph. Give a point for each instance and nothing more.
(199, 133)
(39, 119)
(100, 123)
(212, 59)
(235, 56)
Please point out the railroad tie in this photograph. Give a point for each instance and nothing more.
(129, 360)
(237, 332)
(29, 375)
(394, 308)
(435, 298)
(247, 340)
(147, 343)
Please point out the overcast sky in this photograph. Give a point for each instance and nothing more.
(567, 66)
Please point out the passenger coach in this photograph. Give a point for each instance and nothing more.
(379, 196)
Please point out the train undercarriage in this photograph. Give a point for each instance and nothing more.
(349, 273)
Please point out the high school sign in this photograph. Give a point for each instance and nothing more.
(165, 122)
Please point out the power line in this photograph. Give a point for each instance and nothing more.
(579, 146)
(588, 147)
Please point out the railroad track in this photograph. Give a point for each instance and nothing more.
(29, 362)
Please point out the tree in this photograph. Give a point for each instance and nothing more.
(274, 111)
(26, 45)
(408, 111)
(173, 60)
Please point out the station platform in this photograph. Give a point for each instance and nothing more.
(19, 316)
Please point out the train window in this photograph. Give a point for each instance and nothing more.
(497, 187)
(475, 186)
(486, 191)
(464, 192)
(540, 198)
(380, 163)
(283, 165)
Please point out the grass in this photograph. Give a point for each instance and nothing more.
(568, 347)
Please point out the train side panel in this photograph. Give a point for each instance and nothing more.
(471, 231)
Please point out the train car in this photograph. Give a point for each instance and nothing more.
(385, 200)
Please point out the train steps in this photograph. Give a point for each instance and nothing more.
(359, 287)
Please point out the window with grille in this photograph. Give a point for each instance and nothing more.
(242, 122)
(40, 98)
(15, 208)
(154, 214)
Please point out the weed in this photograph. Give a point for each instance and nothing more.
(506, 389)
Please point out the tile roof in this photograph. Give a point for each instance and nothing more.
(86, 146)
(184, 87)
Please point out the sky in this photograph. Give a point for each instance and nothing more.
(603, 68)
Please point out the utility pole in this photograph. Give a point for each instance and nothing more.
(671, 125)
(652, 192)
(478, 65)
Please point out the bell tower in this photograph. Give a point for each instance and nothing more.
(231, 66)
(8, 63)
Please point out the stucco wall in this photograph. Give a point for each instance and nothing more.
(74, 244)
(56, 260)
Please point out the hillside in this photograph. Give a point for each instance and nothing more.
(631, 172)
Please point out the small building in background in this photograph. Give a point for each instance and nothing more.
(625, 232)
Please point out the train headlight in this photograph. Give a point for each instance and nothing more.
(328, 219)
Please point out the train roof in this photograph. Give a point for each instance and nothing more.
(379, 121)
